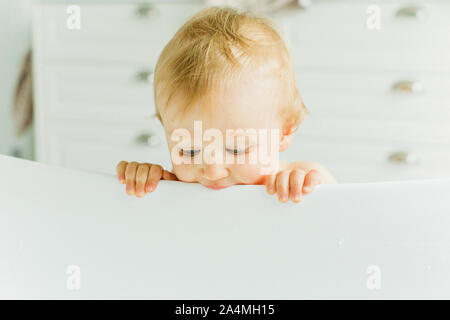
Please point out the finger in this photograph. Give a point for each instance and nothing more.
(270, 184)
(282, 184)
(120, 169)
(130, 177)
(141, 179)
(154, 176)
(311, 180)
(296, 179)
(167, 175)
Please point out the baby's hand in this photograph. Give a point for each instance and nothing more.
(141, 178)
(292, 183)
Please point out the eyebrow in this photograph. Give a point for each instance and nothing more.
(244, 134)
(224, 136)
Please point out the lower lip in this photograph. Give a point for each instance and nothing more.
(215, 188)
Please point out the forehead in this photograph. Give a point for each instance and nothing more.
(250, 103)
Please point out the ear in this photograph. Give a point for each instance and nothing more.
(290, 126)
(285, 140)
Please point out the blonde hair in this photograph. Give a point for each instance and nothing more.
(220, 44)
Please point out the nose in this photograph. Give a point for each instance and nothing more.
(214, 172)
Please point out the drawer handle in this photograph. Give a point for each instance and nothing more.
(145, 76)
(410, 86)
(403, 157)
(148, 139)
(411, 12)
(144, 10)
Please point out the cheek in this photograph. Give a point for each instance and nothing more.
(184, 172)
(253, 173)
(247, 173)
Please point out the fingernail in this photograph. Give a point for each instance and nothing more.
(296, 197)
(307, 189)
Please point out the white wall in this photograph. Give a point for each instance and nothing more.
(15, 38)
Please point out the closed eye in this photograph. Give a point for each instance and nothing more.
(193, 153)
(189, 153)
(236, 151)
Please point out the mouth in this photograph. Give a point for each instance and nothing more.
(215, 187)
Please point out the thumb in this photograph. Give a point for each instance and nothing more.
(167, 175)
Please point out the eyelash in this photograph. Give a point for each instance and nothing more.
(193, 153)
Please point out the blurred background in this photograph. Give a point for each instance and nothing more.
(76, 85)
(15, 37)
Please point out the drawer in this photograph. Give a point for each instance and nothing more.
(372, 161)
(110, 30)
(369, 130)
(416, 97)
(117, 91)
(97, 146)
(100, 158)
(335, 35)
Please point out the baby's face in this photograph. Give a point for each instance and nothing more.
(249, 104)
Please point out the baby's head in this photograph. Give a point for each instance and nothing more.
(229, 71)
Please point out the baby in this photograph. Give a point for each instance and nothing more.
(226, 71)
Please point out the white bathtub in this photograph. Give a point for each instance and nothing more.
(68, 234)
